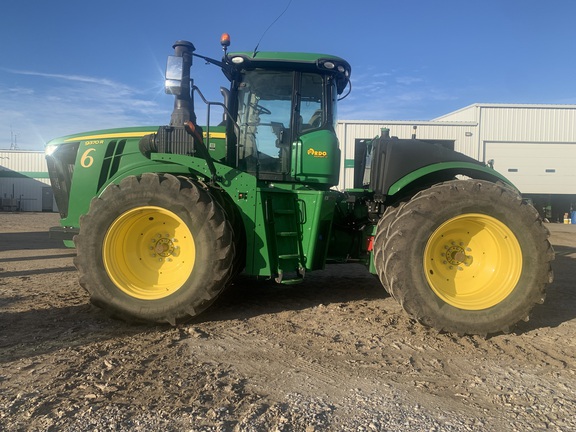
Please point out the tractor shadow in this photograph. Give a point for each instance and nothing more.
(29, 241)
(37, 332)
(62, 316)
(345, 283)
(560, 304)
(337, 284)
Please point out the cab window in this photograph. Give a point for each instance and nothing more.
(274, 108)
(312, 112)
(264, 117)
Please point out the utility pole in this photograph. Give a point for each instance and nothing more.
(13, 140)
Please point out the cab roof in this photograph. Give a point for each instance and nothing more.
(308, 62)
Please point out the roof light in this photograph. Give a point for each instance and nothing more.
(329, 65)
(341, 69)
(225, 40)
(237, 60)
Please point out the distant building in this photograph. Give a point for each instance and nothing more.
(24, 182)
(534, 146)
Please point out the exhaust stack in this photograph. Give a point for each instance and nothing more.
(178, 83)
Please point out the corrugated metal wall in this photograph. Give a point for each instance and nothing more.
(477, 126)
(24, 182)
(534, 146)
(517, 122)
(529, 124)
(23, 161)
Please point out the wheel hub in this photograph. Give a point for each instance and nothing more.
(472, 261)
(164, 246)
(456, 255)
(149, 252)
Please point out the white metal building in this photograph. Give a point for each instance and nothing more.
(532, 145)
(24, 182)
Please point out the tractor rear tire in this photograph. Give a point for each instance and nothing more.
(465, 256)
(154, 248)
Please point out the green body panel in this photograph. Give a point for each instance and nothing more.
(470, 169)
(317, 209)
(116, 133)
(100, 154)
(217, 142)
(107, 156)
(316, 158)
(297, 226)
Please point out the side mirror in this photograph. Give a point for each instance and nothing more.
(174, 75)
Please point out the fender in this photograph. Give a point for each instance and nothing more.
(401, 164)
(447, 171)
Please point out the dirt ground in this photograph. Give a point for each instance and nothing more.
(334, 353)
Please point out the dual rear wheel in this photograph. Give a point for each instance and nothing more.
(466, 256)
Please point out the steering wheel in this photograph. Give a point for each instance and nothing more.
(316, 119)
(260, 109)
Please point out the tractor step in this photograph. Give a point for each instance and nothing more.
(288, 256)
(286, 232)
(292, 281)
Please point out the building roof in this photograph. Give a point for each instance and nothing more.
(504, 105)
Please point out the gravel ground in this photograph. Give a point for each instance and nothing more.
(334, 353)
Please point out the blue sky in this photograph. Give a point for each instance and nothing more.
(70, 66)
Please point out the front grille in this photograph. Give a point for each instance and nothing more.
(60, 169)
(111, 161)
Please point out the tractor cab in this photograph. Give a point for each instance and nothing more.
(285, 113)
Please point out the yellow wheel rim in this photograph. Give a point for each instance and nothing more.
(149, 252)
(473, 261)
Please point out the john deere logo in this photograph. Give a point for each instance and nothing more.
(317, 154)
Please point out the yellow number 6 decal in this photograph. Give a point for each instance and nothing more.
(86, 160)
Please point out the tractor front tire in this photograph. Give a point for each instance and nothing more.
(465, 256)
(154, 248)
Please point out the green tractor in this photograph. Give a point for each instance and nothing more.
(165, 218)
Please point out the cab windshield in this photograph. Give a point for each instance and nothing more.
(274, 109)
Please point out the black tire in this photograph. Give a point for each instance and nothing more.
(154, 248)
(235, 219)
(465, 256)
(380, 240)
